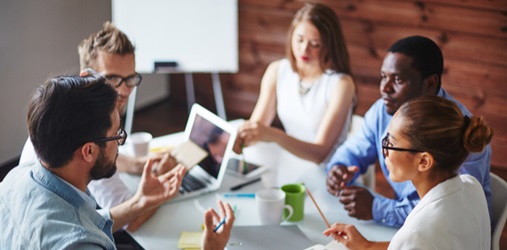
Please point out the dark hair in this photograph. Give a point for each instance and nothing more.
(334, 50)
(213, 137)
(110, 40)
(67, 111)
(436, 125)
(427, 56)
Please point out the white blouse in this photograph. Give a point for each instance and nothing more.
(302, 114)
(452, 215)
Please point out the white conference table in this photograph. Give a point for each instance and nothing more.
(163, 230)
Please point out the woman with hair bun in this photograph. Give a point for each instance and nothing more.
(426, 142)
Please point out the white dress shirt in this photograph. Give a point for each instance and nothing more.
(452, 215)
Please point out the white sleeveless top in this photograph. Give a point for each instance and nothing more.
(301, 115)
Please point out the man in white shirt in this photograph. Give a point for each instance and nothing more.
(74, 126)
(110, 53)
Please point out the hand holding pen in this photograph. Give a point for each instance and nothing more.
(217, 231)
(336, 230)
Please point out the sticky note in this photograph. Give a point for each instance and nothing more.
(190, 240)
(162, 149)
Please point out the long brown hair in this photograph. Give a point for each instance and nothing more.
(436, 125)
(334, 50)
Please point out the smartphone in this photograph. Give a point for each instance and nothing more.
(238, 168)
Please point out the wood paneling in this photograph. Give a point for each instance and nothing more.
(433, 15)
(494, 5)
(471, 33)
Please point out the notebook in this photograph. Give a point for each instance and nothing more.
(216, 137)
(267, 237)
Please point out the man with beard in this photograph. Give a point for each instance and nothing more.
(74, 126)
(110, 53)
(412, 68)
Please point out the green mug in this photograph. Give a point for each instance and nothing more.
(295, 197)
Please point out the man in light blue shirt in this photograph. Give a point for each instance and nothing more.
(74, 126)
(65, 218)
(412, 67)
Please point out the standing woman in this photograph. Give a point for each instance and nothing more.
(426, 142)
(312, 90)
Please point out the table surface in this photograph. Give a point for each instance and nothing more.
(163, 230)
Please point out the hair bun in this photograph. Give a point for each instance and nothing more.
(477, 134)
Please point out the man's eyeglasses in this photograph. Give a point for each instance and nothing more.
(130, 81)
(120, 138)
(387, 145)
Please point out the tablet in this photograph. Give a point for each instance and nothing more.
(236, 167)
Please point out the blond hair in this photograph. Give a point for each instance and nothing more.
(110, 40)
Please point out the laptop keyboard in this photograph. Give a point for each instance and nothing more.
(190, 183)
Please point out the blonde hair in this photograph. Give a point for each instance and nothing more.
(334, 50)
(436, 125)
(110, 40)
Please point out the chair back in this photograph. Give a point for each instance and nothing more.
(499, 207)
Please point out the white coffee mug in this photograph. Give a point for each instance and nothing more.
(140, 143)
(271, 204)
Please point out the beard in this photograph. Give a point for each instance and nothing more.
(102, 168)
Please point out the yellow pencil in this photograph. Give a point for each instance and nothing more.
(318, 208)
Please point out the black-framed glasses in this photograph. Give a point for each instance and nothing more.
(120, 138)
(130, 81)
(387, 145)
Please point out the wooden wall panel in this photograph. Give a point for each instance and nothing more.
(472, 35)
(494, 5)
(454, 45)
(425, 14)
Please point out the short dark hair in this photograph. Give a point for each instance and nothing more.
(214, 136)
(67, 111)
(427, 56)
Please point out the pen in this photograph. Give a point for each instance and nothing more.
(245, 184)
(242, 195)
(222, 222)
(219, 225)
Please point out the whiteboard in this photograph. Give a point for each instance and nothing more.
(199, 35)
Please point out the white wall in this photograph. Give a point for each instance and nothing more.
(38, 39)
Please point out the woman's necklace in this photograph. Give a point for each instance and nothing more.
(304, 88)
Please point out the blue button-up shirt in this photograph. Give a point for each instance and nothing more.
(38, 210)
(365, 147)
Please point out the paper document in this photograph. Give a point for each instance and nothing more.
(189, 154)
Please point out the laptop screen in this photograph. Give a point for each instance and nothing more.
(214, 140)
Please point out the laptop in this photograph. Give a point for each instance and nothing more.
(215, 136)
